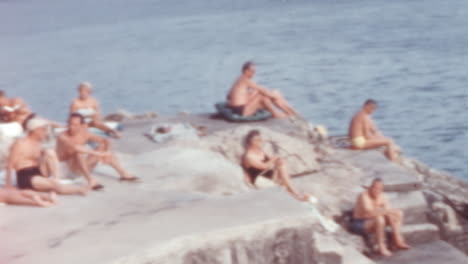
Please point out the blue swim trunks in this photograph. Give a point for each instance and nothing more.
(358, 226)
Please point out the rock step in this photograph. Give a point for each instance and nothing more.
(413, 204)
(436, 252)
(374, 165)
(331, 251)
(420, 233)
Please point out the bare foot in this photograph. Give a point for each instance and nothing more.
(53, 197)
(402, 245)
(385, 252)
(41, 202)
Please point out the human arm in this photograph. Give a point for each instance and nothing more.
(14, 153)
(370, 211)
(65, 144)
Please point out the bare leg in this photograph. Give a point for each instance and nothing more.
(381, 142)
(100, 125)
(79, 163)
(257, 102)
(112, 161)
(286, 180)
(395, 219)
(43, 184)
(49, 167)
(377, 225)
(29, 198)
(281, 102)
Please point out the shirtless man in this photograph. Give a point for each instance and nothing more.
(256, 161)
(373, 213)
(13, 109)
(363, 134)
(71, 148)
(35, 168)
(88, 107)
(14, 196)
(246, 97)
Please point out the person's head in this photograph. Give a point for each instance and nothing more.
(3, 98)
(253, 139)
(37, 128)
(75, 123)
(369, 106)
(376, 187)
(248, 69)
(2, 93)
(84, 89)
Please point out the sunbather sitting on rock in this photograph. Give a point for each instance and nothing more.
(257, 163)
(37, 169)
(246, 97)
(13, 109)
(363, 134)
(88, 107)
(81, 159)
(14, 196)
(372, 214)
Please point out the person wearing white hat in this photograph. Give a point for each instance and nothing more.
(37, 169)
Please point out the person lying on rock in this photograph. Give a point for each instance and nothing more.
(257, 163)
(246, 97)
(37, 169)
(363, 134)
(372, 214)
(72, 148)
(88, 107)
(13, 109)
(14, 196)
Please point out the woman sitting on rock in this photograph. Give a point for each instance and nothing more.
(257, 163)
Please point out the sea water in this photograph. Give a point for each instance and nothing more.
(326, 56)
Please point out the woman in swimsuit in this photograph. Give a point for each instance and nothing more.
(255, 162)
(88, 107)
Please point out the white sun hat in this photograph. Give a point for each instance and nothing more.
(36, 123)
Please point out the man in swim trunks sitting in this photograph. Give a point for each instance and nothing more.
(72, 148)
(363, 134)
(37, 169)
(88, 107)
(13, 109)
(14, 196)
(255, 161)
(372, 214)
(246, 97)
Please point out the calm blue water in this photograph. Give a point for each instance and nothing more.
(327, 56)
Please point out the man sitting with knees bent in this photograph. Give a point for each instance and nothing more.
(35, 168)
(372, 214)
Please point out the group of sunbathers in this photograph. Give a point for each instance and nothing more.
(37, 169)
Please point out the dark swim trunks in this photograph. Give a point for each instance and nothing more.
(254, 172)
(24, 177)
(239, 109)
(358, 226)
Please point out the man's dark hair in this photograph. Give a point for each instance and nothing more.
(370, 101)
(247, 65)
(376, 180)
(76, 115)
(252, 133)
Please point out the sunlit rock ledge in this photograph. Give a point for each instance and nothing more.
(193, 206)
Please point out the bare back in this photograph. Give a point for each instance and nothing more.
(239, 94)
(89, 103)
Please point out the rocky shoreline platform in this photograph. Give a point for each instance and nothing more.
(193, 207)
